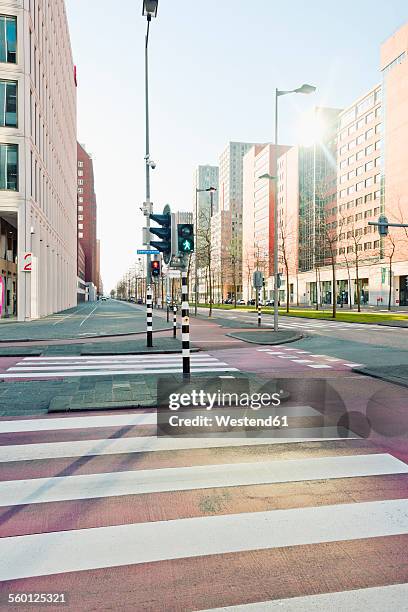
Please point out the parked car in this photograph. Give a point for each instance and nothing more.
(140, 301)
(104, 298)
(251, 302)
(241, 302)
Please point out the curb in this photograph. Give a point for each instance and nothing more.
(293, 338)
(90, 337)
(391, 379)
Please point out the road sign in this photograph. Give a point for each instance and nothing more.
(147, 252)
(258, 279)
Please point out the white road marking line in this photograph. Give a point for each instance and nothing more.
(319, 366)
(302, 360)
(145, 444)
(72, 314)
(388, 598)
(91, 486)
(151, 356)
(108, 367)
(88, 549)
(284, 356)
(353, 365)
(63, 374)
(85, 422)
(86, 318)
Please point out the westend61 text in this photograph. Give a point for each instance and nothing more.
(228, 421)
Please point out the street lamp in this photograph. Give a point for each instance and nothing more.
(211, 191)
(303, 89)
(150, 8)
(149, 11)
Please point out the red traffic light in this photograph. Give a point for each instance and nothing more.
(155, 268)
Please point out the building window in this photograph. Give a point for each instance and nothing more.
(360, 155)
(9, 167)
(370, 117)
(369, 182)
(80, 181)
(80, 199)
(8, 104)
(80, 226)
(369, 133)
(80, 164)
(80, 173)
(360, 170)
(8, 39)
(369, 149)
(369, 166)
(80, 218)
(360, 186)
(376, 211)
(368, 197)
(376, 244)
(80, 190)
(368, 213)
(359, 201)
(367, 246)
(359, 216)
(80, 235)
(360, 139)
(80, 208)
(377, 194)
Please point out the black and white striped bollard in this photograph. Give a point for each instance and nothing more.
(259, 310)
(185, 324)
(174, 320)
(149, 316)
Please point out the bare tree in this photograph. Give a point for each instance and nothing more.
(204, 254)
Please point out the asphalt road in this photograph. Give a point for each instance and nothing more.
(370, 334)
(103, 318)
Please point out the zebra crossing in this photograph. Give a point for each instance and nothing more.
(303, 523)
(64, 367)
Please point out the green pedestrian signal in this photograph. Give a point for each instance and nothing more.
(185, 234)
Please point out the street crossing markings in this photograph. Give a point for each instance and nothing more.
(300, 509)
(92, 486)
(87, 549)
(390, 598)
(85, 422)
(63, 367)
(146, 444)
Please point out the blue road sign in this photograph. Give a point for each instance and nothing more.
(147, 252)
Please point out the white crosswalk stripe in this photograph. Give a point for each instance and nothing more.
(77, 509)
(64, 367)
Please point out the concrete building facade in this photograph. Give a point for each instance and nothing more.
(37, 160)
(230, 203)
(258, 216)
(87, 217)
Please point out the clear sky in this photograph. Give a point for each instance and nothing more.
(214, 65)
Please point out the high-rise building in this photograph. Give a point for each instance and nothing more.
(258, 215)
(230, 201)
(38, 225)
(87, 217)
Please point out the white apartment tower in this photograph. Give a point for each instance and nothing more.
(38, 182)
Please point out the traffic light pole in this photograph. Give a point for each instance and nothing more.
(185, 324)
(149, 337)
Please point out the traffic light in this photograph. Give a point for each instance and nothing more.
(155, 268)
(163, 232)
(185, 233)
(383, 225)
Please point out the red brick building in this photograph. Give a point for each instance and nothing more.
(87, 215)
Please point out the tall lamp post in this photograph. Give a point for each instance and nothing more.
(211, 191)
(149, 11)
(304, 89)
